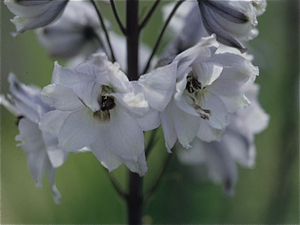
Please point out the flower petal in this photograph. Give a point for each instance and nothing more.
(207, 72)
(52, 121)
(33, 145)
(123, 134)
(135, 104)
(241, 148)
(149, 121)
(207, 133)
(219, 118)
(104, 154)
(52, 95)
(68, 77)
(27, 99)
(56, 155)
(186, 126)
(158, 85)
(168, 126)
(200, 52)
(78, 130)
(88, 93)
(111, 161)
(139, 167)
(55, 192)
(221, 166)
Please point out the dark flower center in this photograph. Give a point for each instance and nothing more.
(192, 84)
(106, 103)
(89, 33)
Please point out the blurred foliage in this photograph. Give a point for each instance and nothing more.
(267, 194)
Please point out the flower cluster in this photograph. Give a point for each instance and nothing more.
(201, 91)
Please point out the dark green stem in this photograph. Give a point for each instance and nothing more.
(145, 21)
(132, 27)
(113, 6)
(134, 198)
(104, 29)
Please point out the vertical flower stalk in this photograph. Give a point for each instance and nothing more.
(132, 23)
(134, 198)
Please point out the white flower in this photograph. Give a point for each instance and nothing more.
(209, 87)
(98, 107)
(41, 149)
(76, 32)
(236, 146)
(34, 14)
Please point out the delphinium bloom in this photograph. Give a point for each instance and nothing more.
(77, 31)
(97, 106)
(236, 145)
(41, 148)
(209, 86)
(33, 14)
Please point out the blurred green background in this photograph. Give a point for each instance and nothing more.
(267, 194)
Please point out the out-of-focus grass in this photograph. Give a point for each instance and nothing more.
(267, 194)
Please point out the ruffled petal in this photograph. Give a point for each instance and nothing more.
(135, 104)
(200, 52)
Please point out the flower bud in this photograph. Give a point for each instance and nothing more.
(231, 20)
